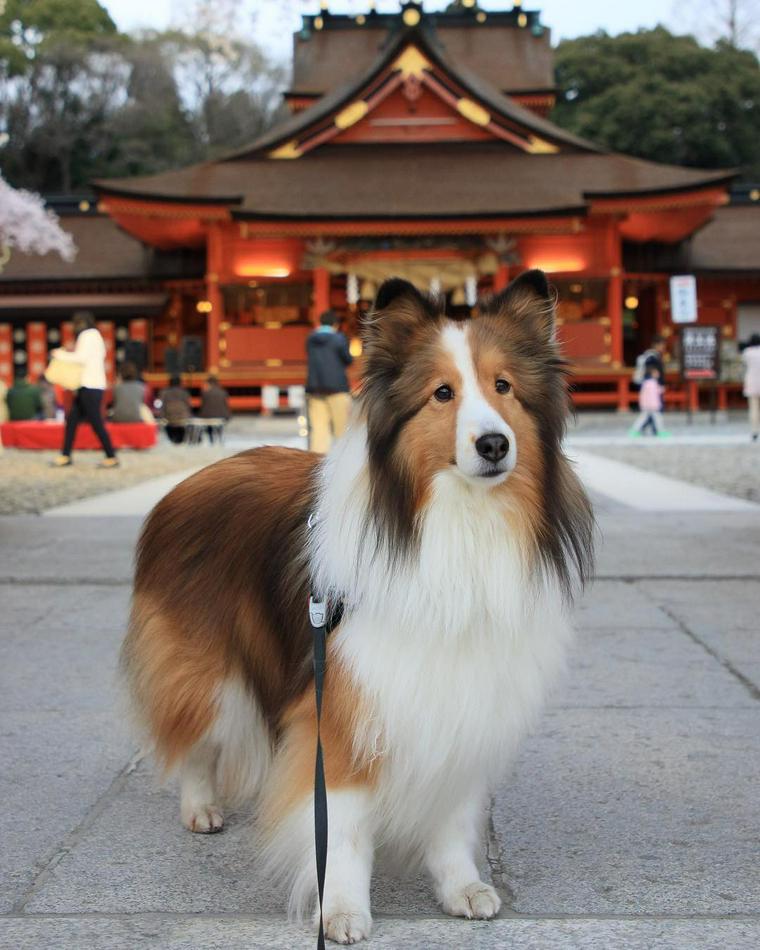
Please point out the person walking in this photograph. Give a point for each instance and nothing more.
(654, 357)
(23, 398)
(329, 398)
(89, 353)
(650, 405)
(751, 359)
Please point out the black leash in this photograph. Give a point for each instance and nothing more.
(318, 620)
(323, 617)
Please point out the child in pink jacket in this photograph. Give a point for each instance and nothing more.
(650, 404)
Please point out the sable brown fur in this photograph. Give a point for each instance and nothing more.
(403, 322)
(520, 322)
(221, 587)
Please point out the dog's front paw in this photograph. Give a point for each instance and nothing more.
(203, 819)
(347, 926)
(477, 901)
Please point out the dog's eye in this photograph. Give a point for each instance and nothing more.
(444, 393)
(502, 386)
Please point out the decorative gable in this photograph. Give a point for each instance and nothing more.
(413, 99)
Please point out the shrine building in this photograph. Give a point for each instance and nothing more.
(417, 145)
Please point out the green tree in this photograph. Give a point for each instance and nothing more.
(30, 27)
(150, 130)
(230, 90)
(55, 113)
(58, 79)
(662, 97)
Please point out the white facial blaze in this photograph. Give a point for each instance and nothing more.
(475, 415)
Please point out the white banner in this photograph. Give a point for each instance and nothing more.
(683, 298)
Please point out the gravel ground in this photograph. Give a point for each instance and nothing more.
(29, 485)
(730, 469)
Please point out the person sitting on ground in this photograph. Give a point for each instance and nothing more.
(215, 404)
(329, 397)
(47, 394)
(650, 404)
(128, 396)
(3, 404)
(175, 409)
(23, 398)
(751, 360)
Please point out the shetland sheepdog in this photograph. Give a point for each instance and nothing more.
(451, 527)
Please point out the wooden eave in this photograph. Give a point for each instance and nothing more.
(539, 223)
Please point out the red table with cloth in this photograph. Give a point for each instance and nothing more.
(49, 435)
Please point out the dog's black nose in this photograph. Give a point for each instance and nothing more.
(492, 446)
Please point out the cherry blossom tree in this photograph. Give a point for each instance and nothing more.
(27, 225)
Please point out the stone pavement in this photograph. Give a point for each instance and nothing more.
(630, 819)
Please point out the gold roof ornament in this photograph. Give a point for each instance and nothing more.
(411, 17)
(473, 112)
(411, 62)
(351, 114)
(538, 146)
(288, 150)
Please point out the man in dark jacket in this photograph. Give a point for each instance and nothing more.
(327, 384)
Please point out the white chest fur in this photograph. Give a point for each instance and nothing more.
(451, 653)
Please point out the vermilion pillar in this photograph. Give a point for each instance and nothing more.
(321, 293)
(36, 349)
(138, 329)
(215, 316)
(67, 334)
(615, 294)
(501, 278)
(6, 355)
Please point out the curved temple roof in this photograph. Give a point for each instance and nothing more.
(515, 163)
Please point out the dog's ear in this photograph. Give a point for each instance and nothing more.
(528, 300)
(393, 289)
(398, 312)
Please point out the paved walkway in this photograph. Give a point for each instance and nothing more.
(630, 819)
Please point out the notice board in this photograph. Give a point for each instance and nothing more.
(700, 352)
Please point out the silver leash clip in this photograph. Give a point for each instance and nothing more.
(317, 612)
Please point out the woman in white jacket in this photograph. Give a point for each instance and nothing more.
(90, 354)
(751, 357)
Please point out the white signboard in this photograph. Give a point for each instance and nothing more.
(296, 397)
(270, 398)
(683, 298)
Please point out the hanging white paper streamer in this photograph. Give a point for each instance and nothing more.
(471, 290)
(352, 289)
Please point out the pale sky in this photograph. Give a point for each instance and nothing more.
(273, 21)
